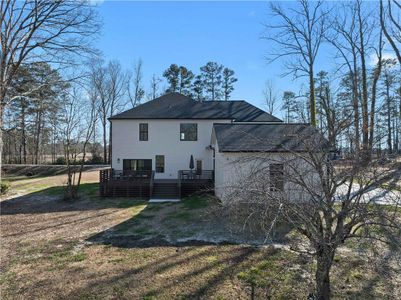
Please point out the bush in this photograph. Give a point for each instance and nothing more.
(95, 160)
(4, 187)
(60, 161)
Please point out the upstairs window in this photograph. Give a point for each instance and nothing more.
(159, 163)
(188, 132)
(143, 132)
(276, 173)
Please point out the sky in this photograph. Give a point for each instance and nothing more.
(191, 34)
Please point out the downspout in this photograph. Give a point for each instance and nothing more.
(214, 159)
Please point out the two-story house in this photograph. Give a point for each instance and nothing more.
(179, 140)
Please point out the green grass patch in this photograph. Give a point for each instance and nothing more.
(180, 215)
(195, 202)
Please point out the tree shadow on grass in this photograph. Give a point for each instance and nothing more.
(195, 221)
(188, 273)
(50, 200)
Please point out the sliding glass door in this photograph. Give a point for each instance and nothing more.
(137, 164)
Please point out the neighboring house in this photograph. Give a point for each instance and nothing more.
(156, 140)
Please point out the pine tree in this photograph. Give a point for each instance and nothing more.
(198, 88)
(211, 72)
(289, 105)
(185, 77)
(228, 82)
(172, 76)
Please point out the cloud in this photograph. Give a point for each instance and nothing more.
(252, 13)
(95, 2)
(386, 55)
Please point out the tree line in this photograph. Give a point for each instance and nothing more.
(214, 82)
(358, 104)
(31, 132)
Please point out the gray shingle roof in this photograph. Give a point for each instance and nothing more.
(178, 106)
(280, 137)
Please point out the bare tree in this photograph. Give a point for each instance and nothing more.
(325, 203)
(50, 31)
(391, 26)
(352, 35)
(270, 96)
(154, 87)
(135, 85)
(298, 36)
(109, 83)
(79, 113)
(116, 88)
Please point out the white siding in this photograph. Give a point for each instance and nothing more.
(164, 139)
(233, 169)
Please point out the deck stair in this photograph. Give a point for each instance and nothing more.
(165, 189)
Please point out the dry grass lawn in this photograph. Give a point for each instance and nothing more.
(101, 248)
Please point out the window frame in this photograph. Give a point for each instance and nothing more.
(183, 132)
(276, 183)
(163, 167)
(143, 133)
(135, 164)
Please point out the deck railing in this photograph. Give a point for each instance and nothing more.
(131, 175)
(196, 175)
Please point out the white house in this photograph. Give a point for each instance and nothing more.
(161, 136)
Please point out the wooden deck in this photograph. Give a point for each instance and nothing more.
(141, 184)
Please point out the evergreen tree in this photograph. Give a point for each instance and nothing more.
(212, 74)
(185, 77)
(228, 82)
(172, 75)
(289, 105)
(198, 88)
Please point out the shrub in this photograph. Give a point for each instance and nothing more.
(60, 161)
(95, 160)
(4, 187)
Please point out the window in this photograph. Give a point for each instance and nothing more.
(137, 164)
(159, 163)
(188, 132)
(276, 177)
(143, 132)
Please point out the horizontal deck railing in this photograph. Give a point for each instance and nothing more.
(125, 175)
(196, 175)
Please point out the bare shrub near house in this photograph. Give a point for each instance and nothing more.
(326, 203)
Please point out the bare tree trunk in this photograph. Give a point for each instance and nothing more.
(355, 98)
(38, 134)
(324, 263)
(376, 77)
(312, 98)
(388, 102)
(364, 104)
